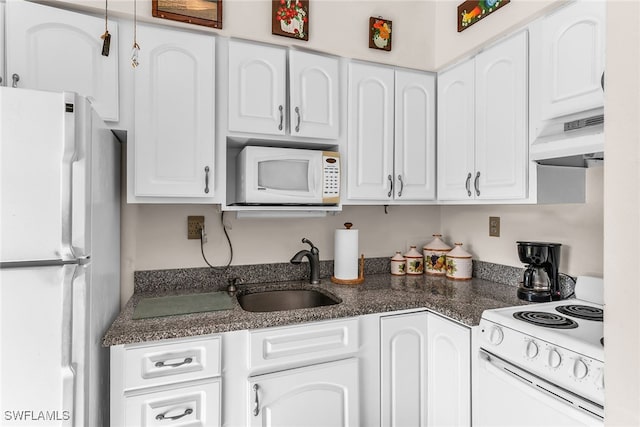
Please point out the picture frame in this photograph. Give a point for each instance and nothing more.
(471, 11)
(198, 12)
(380, 31)
(290, 18)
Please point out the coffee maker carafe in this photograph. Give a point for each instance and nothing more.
(540, 280)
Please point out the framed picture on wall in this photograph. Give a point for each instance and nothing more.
(380, 33)
(290, 18)
(199, 12)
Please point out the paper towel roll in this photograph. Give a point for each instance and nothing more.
(345, 262)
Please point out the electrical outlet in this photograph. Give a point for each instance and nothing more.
(194, 226)
(494, 226)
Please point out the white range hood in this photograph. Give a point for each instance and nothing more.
(576, 140)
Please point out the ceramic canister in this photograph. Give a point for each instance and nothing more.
(398, 264)
(459, 263)
(434, 256)
(414, 261)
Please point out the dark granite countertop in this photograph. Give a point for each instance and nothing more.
(463, 301)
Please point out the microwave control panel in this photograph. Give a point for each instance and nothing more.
(330, 177)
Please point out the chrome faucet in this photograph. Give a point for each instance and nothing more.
(314, 261)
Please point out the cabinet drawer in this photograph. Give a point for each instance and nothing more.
(151, 365)
(196, 405)
(303, 343)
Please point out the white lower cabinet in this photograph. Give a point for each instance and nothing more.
(425, 371)
(448, 372)
(167, 383)
(323, 395)
(193, 405)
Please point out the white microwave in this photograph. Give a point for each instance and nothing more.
(288, 176)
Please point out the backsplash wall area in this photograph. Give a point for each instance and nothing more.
(155, 236)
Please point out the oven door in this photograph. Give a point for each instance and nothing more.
(508, 396)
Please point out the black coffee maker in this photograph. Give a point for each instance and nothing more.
(540, 280)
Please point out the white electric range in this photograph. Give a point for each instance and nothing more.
(543, 364)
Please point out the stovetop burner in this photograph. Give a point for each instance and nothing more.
(581, 312)
(547, 320)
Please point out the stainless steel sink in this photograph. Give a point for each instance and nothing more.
(285, 300)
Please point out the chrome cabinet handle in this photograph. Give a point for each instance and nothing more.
(281, 117)
(467, 184)
(256, 403)
(390, 178)
(186, 412)
(298, 114)
(401, 185)
(0, 80)
(475, 184)
(161, 364)
(602, 81)
(16, 78)
(206, 179)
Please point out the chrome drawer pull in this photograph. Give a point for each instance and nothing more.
(206, 179)
(186, 412)
(298, 125)
(161, 364)
(467, 184)
(256, 405)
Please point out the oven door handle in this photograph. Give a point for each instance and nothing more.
(497, 366)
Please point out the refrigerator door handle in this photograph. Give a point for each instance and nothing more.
(69, 379)
(66, 177)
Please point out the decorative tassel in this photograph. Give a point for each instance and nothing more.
(106, 37)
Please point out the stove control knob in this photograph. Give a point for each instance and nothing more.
(580, 369)
(495, 335)
(531, 349)
(553, 358)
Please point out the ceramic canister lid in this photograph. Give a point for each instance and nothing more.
(458, 252)
(398, 257)
(413, 253)
(437, 244)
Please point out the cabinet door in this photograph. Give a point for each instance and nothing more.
(57, 50)
(568, 60)
(257, 79)
(370, 134)
(501, 121)
(456, 132)
(195, 405)
(3, 79)
(314, 85)
(403, 359)
(324, 395)
(448, 372)
(415, 144)
(174, 114)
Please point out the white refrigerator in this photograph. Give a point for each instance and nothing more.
(59, 258)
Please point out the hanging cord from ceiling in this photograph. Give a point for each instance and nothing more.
(224, 229)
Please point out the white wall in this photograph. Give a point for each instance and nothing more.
(578, 227)
(622, 215)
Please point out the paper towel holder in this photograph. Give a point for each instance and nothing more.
(360, 278)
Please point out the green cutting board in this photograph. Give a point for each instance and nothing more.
(182, 304)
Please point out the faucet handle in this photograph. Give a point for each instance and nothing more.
(314, 250)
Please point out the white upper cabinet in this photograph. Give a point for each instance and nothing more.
(3, 78)
(314, 86)
(456, 132)
(257, 88)
(415, 136)
(391, 134)
(482, 126)
(57, 50)
(174, 114)
(567, 60)
(370, 134)
(263, 100)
